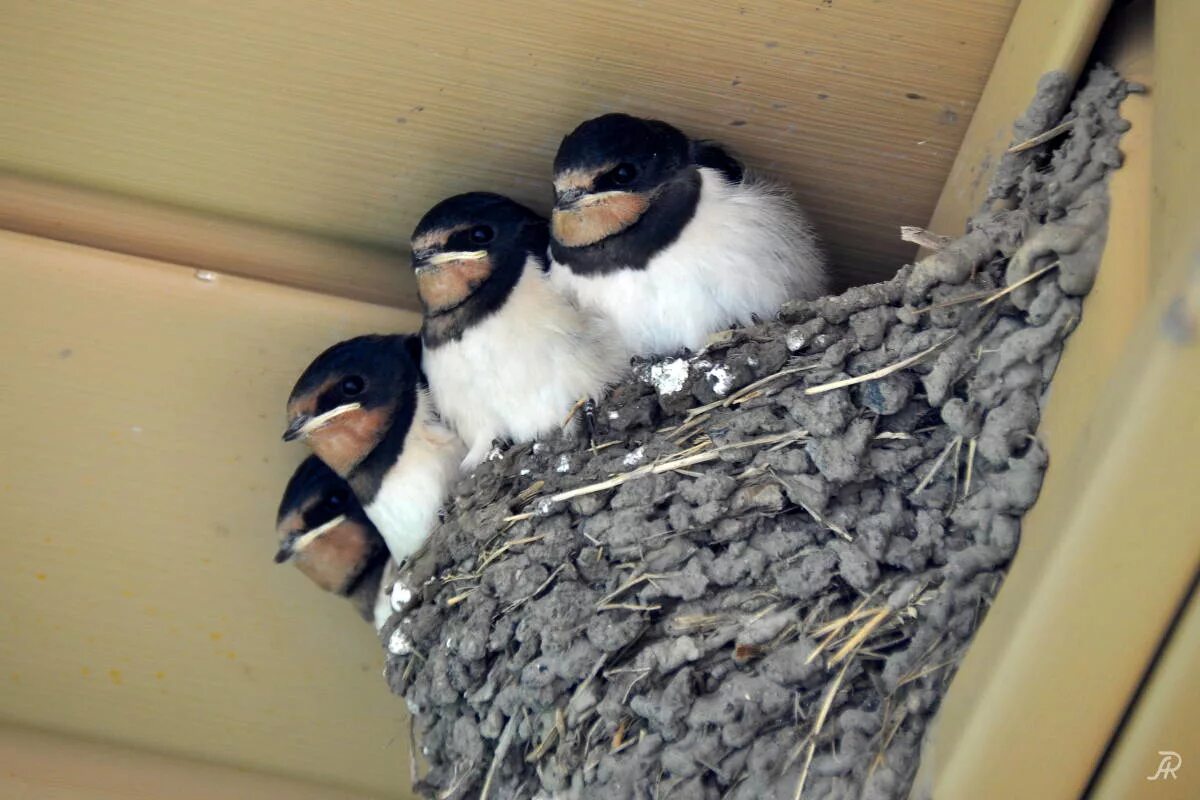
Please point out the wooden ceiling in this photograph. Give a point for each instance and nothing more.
(346, 120)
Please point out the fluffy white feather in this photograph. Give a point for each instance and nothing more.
(747, 250)
(406, 506)
(517, 373)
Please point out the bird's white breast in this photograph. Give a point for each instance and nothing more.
(405, 507)
(517, 373)
(747, 249)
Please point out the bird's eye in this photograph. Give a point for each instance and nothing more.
(352, 386)
(481, 234)
(336, 501)
(624, 174)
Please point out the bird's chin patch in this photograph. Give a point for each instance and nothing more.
(595, 219)
(448, 286)
(347, 439)
(334, 559)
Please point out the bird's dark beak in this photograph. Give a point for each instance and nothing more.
(420, 261)
(295, 428)
(284, 553)
(568, 197)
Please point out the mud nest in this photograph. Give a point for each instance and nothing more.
(763, 576)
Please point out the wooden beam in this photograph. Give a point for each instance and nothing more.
(193, 239)
(1109, 551)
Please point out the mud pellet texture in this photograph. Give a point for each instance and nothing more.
(748, 588)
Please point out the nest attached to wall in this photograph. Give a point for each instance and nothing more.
(760, 580)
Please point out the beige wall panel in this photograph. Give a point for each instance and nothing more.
(141, 410)
(349, 119)
(35, 765)
(1162, 722)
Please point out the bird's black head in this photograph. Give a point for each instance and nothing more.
(624, 188)
(468, 252)
(355, 395)
(322, 527)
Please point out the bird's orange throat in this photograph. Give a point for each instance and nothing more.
(447, 286)
(595, 219)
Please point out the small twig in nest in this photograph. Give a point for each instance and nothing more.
(1030, 277)
(937, 465)
(923, 238)
(574, 410)
(916, 676)
(587, 681)
(833, 629)
(502, 746)
(682, 432)
(530, 491)
(836, 625)
(818, 723)
(882, 372)
(627, 607)
(860, 635)
(745, 390)
(629, 584)
(458, 598)
(688, 460)
(504, 548)
(970, 467)
(964, 298)
(695, 622)
(820, 520)
(557, 732)
(619, 735)
(1042, 138)
(513, 606)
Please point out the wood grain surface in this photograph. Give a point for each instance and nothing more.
(349, 119)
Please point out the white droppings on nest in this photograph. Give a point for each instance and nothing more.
(720, 379)
(795, 339)
(401, 596)
(635, 457)
(669, 377)
(538, 447)
(495, 454)
(614, 415)
(525, 471)
(413, 708)
(449, 644)
(545, 505)
(399, 644)
(564, 464)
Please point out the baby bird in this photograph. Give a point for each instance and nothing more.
(506, 354)
(324, 532)
(363, 408)
(669, 238)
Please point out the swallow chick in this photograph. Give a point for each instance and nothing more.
(670, 238)
(324, 532)
(507, 355)
(364, 409)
